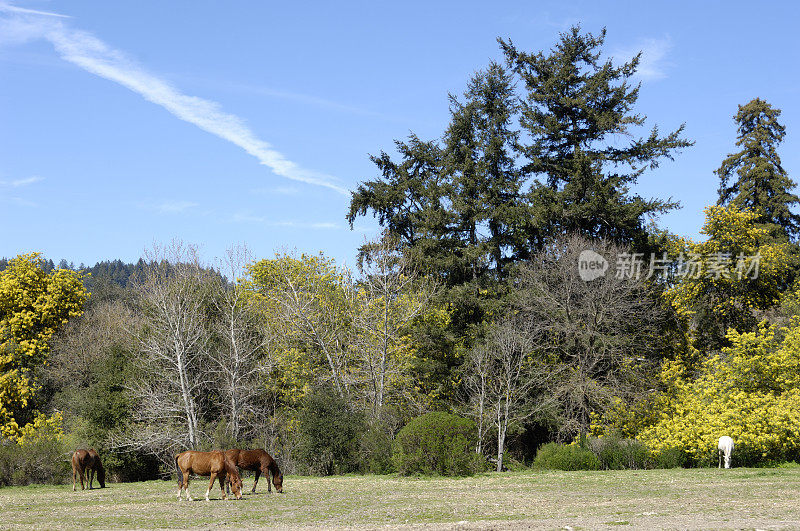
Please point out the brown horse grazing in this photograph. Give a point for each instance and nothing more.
(213, 464)
(260, 462)
(87, 462)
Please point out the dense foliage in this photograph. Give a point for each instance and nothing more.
(557, 456)
(329, 434)
(750, 391)
(34, 304)
(436, 443)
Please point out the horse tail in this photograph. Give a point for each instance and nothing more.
(178, 468)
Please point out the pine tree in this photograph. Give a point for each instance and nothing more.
(575, 111)
(753, 177)
(455, 205)
(484, 181)
(408, 199)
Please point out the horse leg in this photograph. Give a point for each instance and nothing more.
(720, 458)
(90, 473)
(211, 484)
(186, 485)
(227, 484)
(74, 478)
(258, 473)
(223, 480)
(82, 472)
(180, 485)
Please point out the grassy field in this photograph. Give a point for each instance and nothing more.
(685, 499)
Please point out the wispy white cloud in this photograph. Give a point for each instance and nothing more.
(560, 23)
(245, 217)
(277, 190)
(8, 8)
(93, 55)
(306, 99)
(168, 206)
(16, 200)
(23, 202)
(305, 225)
(653, 64)
(7, 186)
(18, 183)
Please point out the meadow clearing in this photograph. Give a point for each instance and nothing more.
(678, 498)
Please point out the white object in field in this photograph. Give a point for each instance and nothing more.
(725, 447)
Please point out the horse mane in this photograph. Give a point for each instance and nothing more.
(101, 471)
(101, 474)
(230, 466)
(273, 467)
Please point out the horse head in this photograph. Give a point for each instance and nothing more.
(233, 477)
(236, 486)
(101, 476)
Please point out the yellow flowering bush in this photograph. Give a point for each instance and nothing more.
(724, 279)
(33, 306)
(751, 392)
(42, 427)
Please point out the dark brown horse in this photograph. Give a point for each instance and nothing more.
(213, 464)
(260, 462)
(86, 463)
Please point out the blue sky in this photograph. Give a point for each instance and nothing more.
(125, 123)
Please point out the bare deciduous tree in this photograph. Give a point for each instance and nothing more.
(476, 384)
(241, 358)
(601, 336)
(391, 294)
(173, 293)
(86, 341)
(515, 378)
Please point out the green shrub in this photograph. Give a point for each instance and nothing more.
(620, 454)
(329, 434)
(669, 458)
(437, 443)
(556, 456)
(43, 460)
(511, 464)
(376, 451)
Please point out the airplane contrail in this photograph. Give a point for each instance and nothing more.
(93, 55)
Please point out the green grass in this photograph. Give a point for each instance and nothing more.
(675, 498)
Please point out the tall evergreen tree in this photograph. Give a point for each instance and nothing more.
(753, 177)
(408, 199)
(472, 204)
(485, 183)
(455, 205)
(575, 111)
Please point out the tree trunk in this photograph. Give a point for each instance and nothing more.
(188, 400)
(502, 424)
(481, 402)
